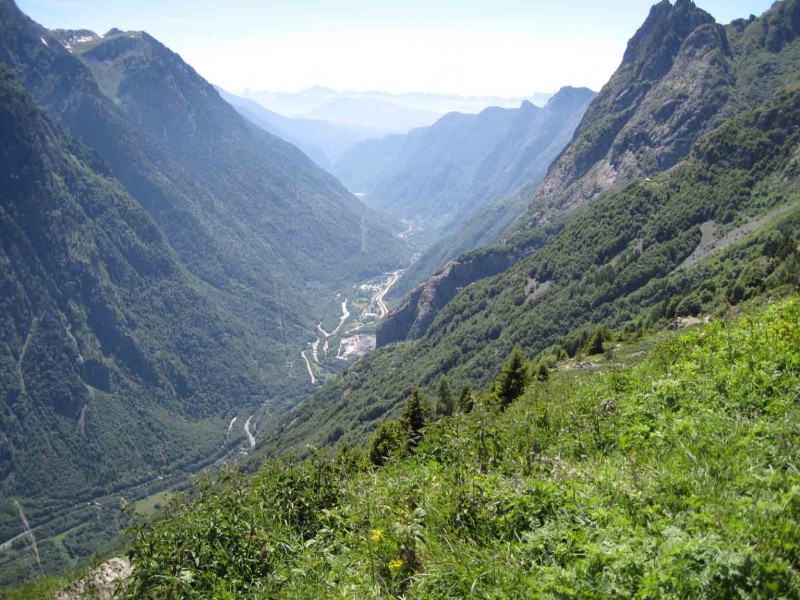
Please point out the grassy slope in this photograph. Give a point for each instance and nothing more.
(674, 478)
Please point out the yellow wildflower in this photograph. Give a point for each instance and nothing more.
(395, 566)
(377, 535)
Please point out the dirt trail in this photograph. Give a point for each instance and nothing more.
(308, 366)
(20, 370)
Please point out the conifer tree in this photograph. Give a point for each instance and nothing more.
(388, 440)
(445, 397)
(466, 401)
(414, 417)
(513, 379)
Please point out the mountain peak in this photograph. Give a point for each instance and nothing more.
(660, 37)
(568, 97)
(70, 38)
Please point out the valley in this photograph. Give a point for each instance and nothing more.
(374, 348)
(354, 333)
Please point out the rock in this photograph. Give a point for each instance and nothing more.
(99, 583)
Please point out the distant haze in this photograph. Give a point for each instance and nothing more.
(501, 48)
(413, 109)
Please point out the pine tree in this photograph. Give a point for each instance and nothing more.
(445, 397)
(415, 418)
(513, 379)
(466, 401)
(541, 371)
(600, 335)
(388, 440)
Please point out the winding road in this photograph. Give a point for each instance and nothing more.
(308, 366)
(250, 436)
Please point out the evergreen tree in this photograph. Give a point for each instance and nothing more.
(445, 397)
(414, 417)
(513, 379)
(466, 401)
(541, 371)
(388, 440)
(600, 335)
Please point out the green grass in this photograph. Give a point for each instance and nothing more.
(676, 478)
(152, 504)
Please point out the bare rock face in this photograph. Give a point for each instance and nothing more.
(100, 583)
(674, 80)
(412, 319)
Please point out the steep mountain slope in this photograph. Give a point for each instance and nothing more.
(323, 141)
(436, 175)
(154, 338)
(665, 472)
(118, 365)
(159, 133)
(628, 255)
(681, 75)
(674, 80)
(265, 182)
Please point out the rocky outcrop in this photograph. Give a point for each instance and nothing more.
(412, 319)
(99, 583)
(674, 80)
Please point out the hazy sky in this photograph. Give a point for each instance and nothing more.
(490, 47)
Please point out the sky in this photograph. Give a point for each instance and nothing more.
(507, 48)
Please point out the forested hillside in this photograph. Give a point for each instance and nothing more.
(163, 260)
(681, 75)
(435, 176)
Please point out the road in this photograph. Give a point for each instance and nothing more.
(308, 366)
(250, 437)
(383, 310)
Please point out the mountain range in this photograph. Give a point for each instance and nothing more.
(163, 258)
(690, 147)
(462, 161)
(323, 100)
(166, 256)
(325, 142)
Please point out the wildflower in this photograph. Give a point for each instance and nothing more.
(377, 535)
(395, 566)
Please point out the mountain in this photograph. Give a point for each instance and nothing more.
(681, 75)
(702, 233)
(372, 113)
(484, 226)
(300, 104)
(163, 259)
(118, 364)
(437, 175)
(323, 141)
(675, 78)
